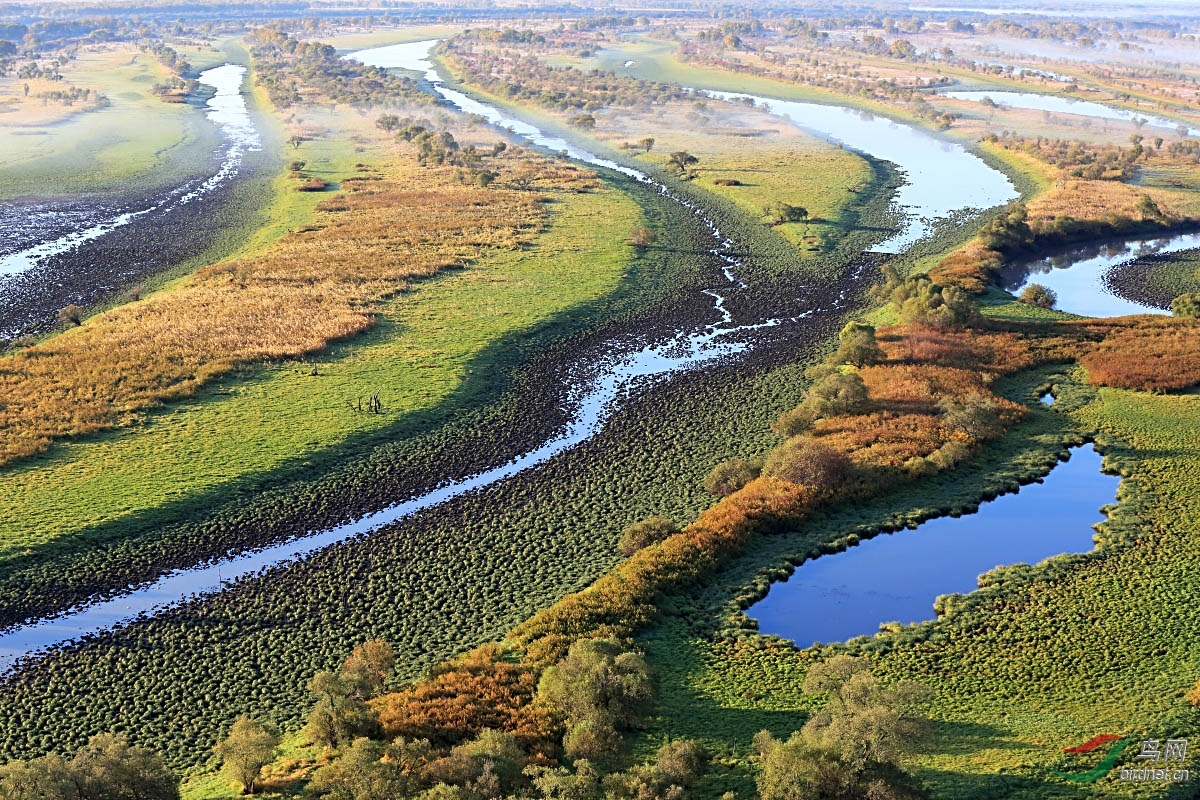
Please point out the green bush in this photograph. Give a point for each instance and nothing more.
(857, 346)
(645, 533)
(794, 422)
(1186, 305)
(916, 298)
(731, 475)
(601, 681)
(837, 394)
(1037, 295)
(808, 461)
(977, 416)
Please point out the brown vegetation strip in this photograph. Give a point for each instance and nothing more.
(1074, 210)
(310, 289)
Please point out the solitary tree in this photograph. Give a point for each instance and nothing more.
(340, 714)
(1148, 209)
(370, 664)
(778, 213)
(851, 747)
(599, 680)
(108, 766)
(681, 160)
(645, 533)
(647, 144)
(45, 778)
(387, 122)
(359, 774)
(248, 748)
(808, 461)
(976, 415)
(837, 394)
(1037, 295)
(731, 475)
(857, 346)
(296, 140)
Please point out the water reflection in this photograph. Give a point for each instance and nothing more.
(226, 109)
(1069, 105)
(1079, 276)
(897, 577)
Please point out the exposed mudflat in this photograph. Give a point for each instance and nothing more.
(84, 251)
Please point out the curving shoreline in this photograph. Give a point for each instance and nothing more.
(613, 374)
(81, 252)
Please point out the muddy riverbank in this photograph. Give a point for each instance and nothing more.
(89, 251)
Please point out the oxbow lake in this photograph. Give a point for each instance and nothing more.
(1058, 104)
(896, 577)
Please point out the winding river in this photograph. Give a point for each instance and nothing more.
(226, 109)
(1069, 105)
(934, 169)
(1080, 276)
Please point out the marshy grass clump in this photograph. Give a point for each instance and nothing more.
(1186, 305)
(290, 301)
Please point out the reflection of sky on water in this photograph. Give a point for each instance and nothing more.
(941, 177)
(1077, 275)
(898, 576)
(226, 109)
(1066, 105)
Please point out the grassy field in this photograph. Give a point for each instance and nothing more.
(1177, 273)
(138, 139)
(348, 40)
(769, 159)
(414, 357)
(1095, 645)
(819, 177)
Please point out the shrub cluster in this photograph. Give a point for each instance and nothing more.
(293, 71)
(917, 299)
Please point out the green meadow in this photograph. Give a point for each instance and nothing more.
(415, 358)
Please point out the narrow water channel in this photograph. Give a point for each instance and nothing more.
(896, 577)
(1059, 104)
(81, 251)
(614, 377)
(226, 109)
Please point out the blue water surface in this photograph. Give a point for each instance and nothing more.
(896, 577)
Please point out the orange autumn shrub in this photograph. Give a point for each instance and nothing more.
(970, 267)
(623, 600)
(460, 698)
(883, 439)
(1156, 354)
